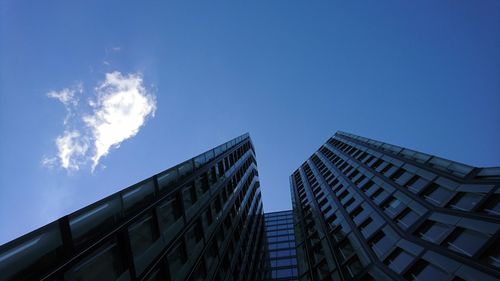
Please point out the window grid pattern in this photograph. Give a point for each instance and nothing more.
(200, 220)
(281, 253)
(398, 215)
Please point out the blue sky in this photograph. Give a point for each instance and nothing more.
(420, 74)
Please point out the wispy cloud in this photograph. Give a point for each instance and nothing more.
(68, 97)
(119, 107)
(71, 148)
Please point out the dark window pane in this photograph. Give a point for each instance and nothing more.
(465, 200)
(416, 184)
(398, 260)
(194, 235)
(493, 256)
(354, 266)
(137, 197)
(189, 195)
(169, 212)
(437, 195)
(407, 218)
(424, 271)
(177, 257)
(346, 249)
(393, 206)
(466, 241)
(105, 264)
(381, 243)
(492, 206)
(432, 231)
(142, 235)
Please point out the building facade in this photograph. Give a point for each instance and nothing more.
(367, 210)
(280, 254)
(200, 220)
(362, 210)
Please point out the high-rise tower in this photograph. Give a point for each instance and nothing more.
(368, 210)
(280, 250)
(200, 220)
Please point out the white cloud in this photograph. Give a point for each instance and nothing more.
(71, 147)
(67, 95)
(68, 98)
(119, 109)
(49, 162)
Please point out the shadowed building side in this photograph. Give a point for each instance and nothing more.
(368, 210)
(200, 220)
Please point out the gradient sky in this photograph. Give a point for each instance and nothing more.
(420, 74)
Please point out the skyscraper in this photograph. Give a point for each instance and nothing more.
(367, 210)
(280, 251)
(362, 210)
(200, 220)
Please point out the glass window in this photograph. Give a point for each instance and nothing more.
(136, 197)
(39, 248)
(354, 266)
(358, 210)
(437, 195)
(384, 167)
(407, 218)
(94, 220)
(282, 273)
(416, 184)
(465, 201)
(216, 205)
(492, 205)
(381, 243)
(169, 211)
(398, 260)
(365, 223)
(185, 168)
(211, 253)
(202, 183)
(168, 179)
(177, 257)
(142, 235)
(200, 272)
(220, 168)
(349, 202)
(388, 172)
(403, 178)
(194, 235)
(433, 231)
(492, 256)
(377, 163)
(422, 270)
(393, 206)
(346, 249)
(466, 241)
(284, 262)
(379, 196)
(368, 227)
(105, 264)
(199, 161)
(366, 186)
(189, 195)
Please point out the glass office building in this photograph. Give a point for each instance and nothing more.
(367, 210)
(200, 220)
(362, 210)
(280, 251)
